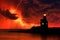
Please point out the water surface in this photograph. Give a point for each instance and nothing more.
(26, 36)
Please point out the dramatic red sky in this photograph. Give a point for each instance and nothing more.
(29, 13)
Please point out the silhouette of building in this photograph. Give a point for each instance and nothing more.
(44, 24)
(43, 28)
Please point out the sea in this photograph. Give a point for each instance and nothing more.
(26, 36)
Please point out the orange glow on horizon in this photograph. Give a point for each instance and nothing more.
(23, 24)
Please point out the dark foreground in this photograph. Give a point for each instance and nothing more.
(51, 31)
(26, 36)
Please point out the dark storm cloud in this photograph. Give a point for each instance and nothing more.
(8, 14)
(14, 1)
(34, 9)
(10, 2)
(49, 1)
(29, 5)
(54, 4)
(54, 18)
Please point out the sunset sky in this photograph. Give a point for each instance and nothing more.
(23, 14)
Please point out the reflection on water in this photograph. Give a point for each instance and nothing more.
(18, 36)
(26, 36)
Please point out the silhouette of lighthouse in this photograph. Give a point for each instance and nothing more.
(44, 24)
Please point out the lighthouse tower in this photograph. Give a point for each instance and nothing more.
(44, 24)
